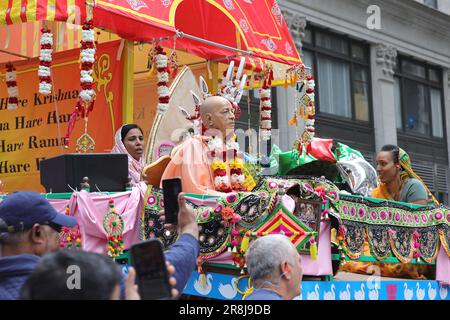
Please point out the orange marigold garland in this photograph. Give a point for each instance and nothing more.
(237, 174)
(219, 167)
(113, 224)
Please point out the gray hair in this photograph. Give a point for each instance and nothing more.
(265, 256)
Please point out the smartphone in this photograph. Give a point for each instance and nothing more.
(148, 259)
(171, 189)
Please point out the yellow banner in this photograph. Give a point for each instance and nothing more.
(36, 130)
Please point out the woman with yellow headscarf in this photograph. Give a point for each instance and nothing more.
(398, 182)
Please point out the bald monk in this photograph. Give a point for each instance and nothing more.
(192, 159)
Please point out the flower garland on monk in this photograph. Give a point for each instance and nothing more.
(222, 182)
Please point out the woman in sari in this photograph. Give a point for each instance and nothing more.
(129, 139)
(398, 182)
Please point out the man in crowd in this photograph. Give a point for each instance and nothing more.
(275, 268)
(81, 275)
(29, 228)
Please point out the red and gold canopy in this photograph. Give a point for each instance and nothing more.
(256, 27)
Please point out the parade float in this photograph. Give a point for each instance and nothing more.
(315, 188)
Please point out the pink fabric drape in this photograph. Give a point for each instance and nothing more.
(443, 267)
(90, 208)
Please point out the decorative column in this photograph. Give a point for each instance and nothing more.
(383, 62)
(296, 24)
(285, 97)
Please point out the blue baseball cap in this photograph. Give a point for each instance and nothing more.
(22, 209)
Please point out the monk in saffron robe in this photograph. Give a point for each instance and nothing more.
(210, 163)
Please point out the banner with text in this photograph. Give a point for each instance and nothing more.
(36, 129)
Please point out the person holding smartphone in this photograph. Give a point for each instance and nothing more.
(184, 252)
(99, 278)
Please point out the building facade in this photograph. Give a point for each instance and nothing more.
(382, 75)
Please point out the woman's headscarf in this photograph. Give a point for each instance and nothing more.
(135, 167)
(405, 173)
(405, 163)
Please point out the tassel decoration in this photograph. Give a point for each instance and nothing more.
(313, 249)
(244, 244)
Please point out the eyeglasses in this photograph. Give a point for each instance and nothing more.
(54, 226)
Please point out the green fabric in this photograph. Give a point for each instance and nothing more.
(413, 190)
(288, 160)
(344, 152)
(403, 158)
(285, 161)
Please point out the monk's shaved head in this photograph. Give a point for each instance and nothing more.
(218, 113)
(211, 104)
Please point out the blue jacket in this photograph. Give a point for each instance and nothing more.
(14, 271)
(183, 255)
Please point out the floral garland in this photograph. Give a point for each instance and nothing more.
(310, 109)
(86, 98)
(11, 83)
(266, 106)
(87, 93)
(45, 61)
(161, 62)
(219, 167)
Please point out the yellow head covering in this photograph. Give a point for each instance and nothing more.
(407, 172)
(405, 163)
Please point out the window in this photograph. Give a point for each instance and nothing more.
(431, 3)
(342, 71)
(418, 99)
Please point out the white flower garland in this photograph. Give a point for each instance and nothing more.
(87, 54)
(265, 114)
(161, 62)
(45, 61)
(11, 83)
